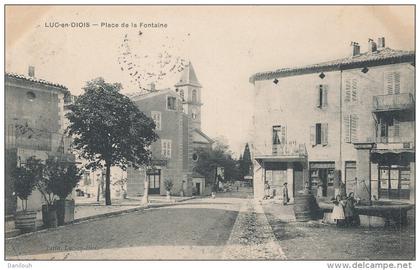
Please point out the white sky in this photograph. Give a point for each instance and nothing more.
(225, 44)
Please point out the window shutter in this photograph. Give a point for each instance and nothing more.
(324, 134)
(312, 135)
(283, 134)
(348, 90)
(396, 128)
(318, 96)
(389, 83)
(353, 127)
(354, 90)
(397, 83)
(325, 95)
(347, 128)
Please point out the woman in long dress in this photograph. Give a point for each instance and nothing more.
(338, 211)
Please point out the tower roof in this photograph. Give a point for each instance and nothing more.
(188, 77)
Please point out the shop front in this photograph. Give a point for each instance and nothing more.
(276, 170)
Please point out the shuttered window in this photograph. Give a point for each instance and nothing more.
(319, 134)
(392, 82)
(351, 90)
(354, 90)
(166, 148)
(322, 96)
(279, 134)
(348, 90)
(157, 118)
(351, 127)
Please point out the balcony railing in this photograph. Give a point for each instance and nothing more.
(404, 101)
(394, 143)
(289, 149)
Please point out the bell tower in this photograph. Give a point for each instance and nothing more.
(189, 88)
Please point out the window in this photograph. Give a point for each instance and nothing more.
(157, 118)
(166, 148)
(194, 96)
(319, 134)
(322, 93)
(392, 83)
(279, 135)
(30, 95)
(351, 87)
(350, 128)
(181, 93)
(171, 103)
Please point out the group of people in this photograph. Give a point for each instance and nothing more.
(344, 211)
(268, 193)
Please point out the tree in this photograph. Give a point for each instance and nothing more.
(25, 179)
(109, 130)
(245, 162)
(218, 156)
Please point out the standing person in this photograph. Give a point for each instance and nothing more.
(338, 211)
(350, 210)
(286, 198)
(266, 190)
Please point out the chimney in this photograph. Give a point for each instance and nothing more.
(372, 45)
(381, 43)
(31, 71)
(355, 48)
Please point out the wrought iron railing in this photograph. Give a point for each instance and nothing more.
(402, 101)
(289, 149)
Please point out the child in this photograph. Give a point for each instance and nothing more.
(338, 211)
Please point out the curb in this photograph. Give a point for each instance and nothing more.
(99, 216)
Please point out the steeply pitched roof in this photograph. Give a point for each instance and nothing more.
(36, 80)
(188, 77)
(381, 57)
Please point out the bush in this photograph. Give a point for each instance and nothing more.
(168, 184)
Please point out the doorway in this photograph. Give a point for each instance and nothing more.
(197, 188)
(154, 181)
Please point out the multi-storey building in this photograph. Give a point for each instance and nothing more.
(342, 123)
(34, 127)
(177, 115)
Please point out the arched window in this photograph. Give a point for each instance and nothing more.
(194, 96)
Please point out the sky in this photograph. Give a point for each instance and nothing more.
(225, 44)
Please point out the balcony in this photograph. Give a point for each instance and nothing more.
(397, 102)
(289, 149)
(394, 144)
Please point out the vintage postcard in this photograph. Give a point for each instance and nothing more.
(210, 132)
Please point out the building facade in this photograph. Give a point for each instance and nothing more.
(34, 126)
(347, 123)
(177, 115)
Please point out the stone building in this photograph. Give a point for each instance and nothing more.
(342, 123)
(34, 126)
(177, 114)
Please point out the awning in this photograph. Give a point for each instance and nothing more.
(279, 159)
(392, 151)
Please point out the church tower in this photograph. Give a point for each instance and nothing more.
(189, 89)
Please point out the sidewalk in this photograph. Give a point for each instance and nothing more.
(89, 208)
